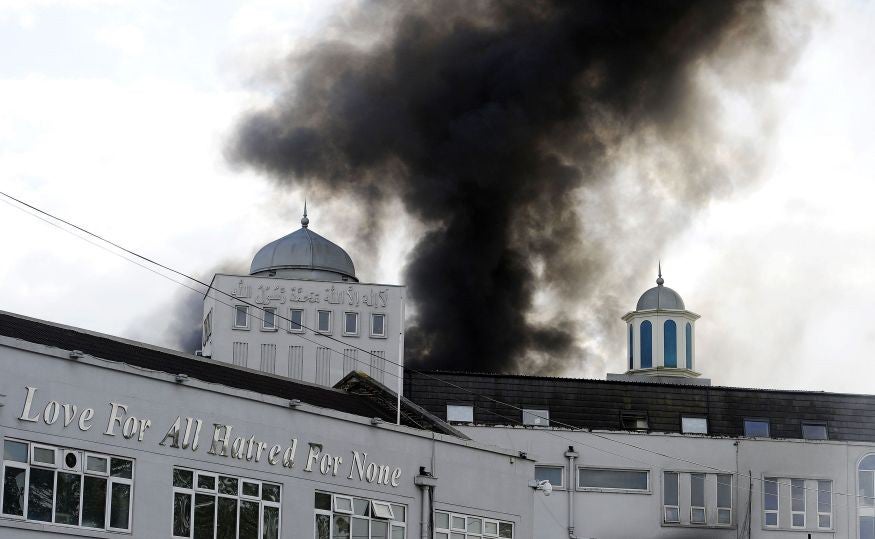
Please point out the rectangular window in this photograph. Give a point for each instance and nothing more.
(216, 506)
(694, 425)
(351, 324)
(536, 417)
(756, 428)
(378, 325)
(697, 498)
(814, 431)
(460, 413)
(296, 320)
(349, 517)
(323, 321)
(797, 503)
(824, 505)
(458, 526)
(241, 316)
(554, 474)
(268, 321)
(53, 486)
(671, 506)
(770, 502)
(208, 328)
(724, 499)
(633, 420)
(609, 479)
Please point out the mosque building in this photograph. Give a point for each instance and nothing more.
(288, 423)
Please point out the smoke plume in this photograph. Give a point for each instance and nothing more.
(548, 148)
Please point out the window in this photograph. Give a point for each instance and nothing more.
(797, 503)
(646, 346)
(632, 420)
(610, 479)
(814, 431)
(53, 485)
(350, 517)
(268, 322)
(697, 498)
(670, 343)
(866, 496)
(553, 474)
(756, 428)
(724, 499)
(694, 425)
(208, 328)
(689, 345)
(536, 417)
(296, 320)
(824, 505)
(671, 508)
(460, 413)
(378, 325)
(210, 505)
(631, 348)
(457, 526)
(241, 317)
(350, 323)
(323, 321)
(770, 502)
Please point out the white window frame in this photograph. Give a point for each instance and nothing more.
(41, 464)
(561, 485)
(92, 472)
(717, 505)
(192, 492)
(815, 424)
(776, 512)
(82, 474)
(804, 504)
(765, 420)
(330, 321)
(264, 326)
(646, 471)
(459, 407)
(821, 513)
(207, 328)
(440, 533)
(385, 322)
(391, 523)
(336, 508)
(357, 324)
(234, 322)
(665, 506)
(299, 329)
(384, 507)
(535, 417)
(703, 508)
(686, 418)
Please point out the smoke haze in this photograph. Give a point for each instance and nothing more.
(549, 149)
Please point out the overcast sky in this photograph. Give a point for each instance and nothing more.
(115, 115)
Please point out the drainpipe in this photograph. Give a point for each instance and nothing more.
(570, 488)
(426, 483)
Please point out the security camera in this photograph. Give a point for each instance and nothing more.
(543, 485)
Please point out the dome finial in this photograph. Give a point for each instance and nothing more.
(304, 220)
(659, 279)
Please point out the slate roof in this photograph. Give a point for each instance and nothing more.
(170, 361)
(601, 404)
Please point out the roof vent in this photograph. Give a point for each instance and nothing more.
(294, 403)
(76, 354)
(181, 378)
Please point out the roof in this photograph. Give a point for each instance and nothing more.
(660, 297)
(303, 249)
(143, 355)
(602, 404)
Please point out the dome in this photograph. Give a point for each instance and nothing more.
(304, 254)
(660, 297)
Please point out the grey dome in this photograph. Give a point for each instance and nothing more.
(303, 253)
(660, 297)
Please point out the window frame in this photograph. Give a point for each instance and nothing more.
(777, 512)
(330, 321)
(300, 328)
(391, 524)
(718, 508)
(207, 328)
(32, 457)
(535, 417)
(765, 420)
(796, 512)
(562, 467)
(806, 423)
(821, 513)
(236, 311)
(695, 417)
(217, 494)
(264, 326)
(704, 506)
(357, 324)
(484, 521)
(635, 416)
(646, 471)
(458, 406)
(666, 506)
(385, 329)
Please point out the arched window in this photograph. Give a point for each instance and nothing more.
(670, 343)
(689, 335)
(631, 349)
(646, 348)
(866, 497)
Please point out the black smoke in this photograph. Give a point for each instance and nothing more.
(502, 127)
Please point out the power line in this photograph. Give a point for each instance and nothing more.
(370, 353)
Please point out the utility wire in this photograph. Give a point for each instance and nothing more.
(370, 353)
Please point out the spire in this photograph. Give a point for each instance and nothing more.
(304, 220)
(659, 279)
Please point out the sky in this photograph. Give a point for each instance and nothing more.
(116, 115)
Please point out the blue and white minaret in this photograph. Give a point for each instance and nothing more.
(661, 334)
